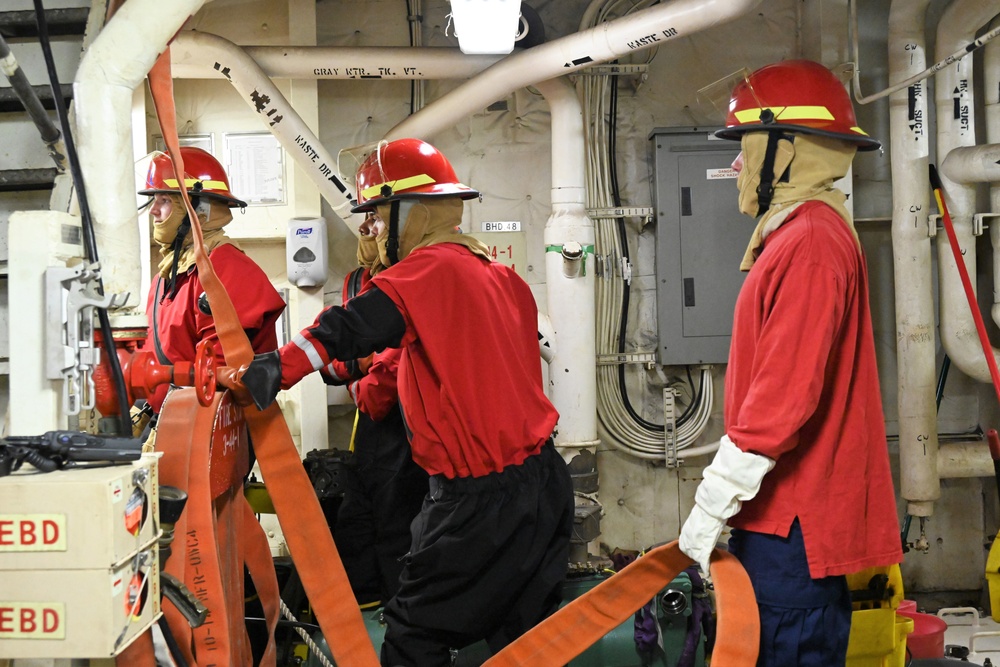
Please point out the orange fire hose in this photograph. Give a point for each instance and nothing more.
(571, 630)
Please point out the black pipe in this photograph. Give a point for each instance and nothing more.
(26, 93)
(71, 21)
(11, 102)
(19, 180)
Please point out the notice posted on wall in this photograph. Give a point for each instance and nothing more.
(205, 142)
(256, 168)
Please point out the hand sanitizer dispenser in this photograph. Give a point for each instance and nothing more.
(305, 252)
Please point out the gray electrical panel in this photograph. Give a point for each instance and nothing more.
(700, 240)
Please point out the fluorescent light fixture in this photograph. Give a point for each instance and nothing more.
(486, 26)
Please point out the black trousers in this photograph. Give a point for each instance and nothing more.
(383, 493)
(487, 561)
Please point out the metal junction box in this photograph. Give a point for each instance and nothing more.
(78, 519)
(700, 240)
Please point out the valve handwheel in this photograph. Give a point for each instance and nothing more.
(204, 372)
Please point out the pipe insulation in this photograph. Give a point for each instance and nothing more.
(371, 63)
(641, 30)
(573, 369)
(916, 374)
(974, 164)
(197, 55)
(110, 70)
(230, 61)
(965, 459)
(953, 95)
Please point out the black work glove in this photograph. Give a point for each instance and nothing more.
(256, 383)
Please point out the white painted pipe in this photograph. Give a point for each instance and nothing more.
(114, 65)
(911, 246)
(956, 129)
(209, 51)
(643, 29)
(571, 303)
(965, 459)
(370, 63)
(974, 164)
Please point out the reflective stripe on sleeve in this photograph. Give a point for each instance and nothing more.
(306, 346)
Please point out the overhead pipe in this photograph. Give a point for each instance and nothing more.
(260, 93)
(110, 70)
(339, 62)
(636, 32)
(956, 129)
(570, 290)
(909, 127)
(250, 69)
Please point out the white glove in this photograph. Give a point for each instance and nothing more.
(733, 477)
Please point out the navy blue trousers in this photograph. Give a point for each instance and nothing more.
(804, 622)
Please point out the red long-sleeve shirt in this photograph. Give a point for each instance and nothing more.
(802, 388)
(181, 324)
(470, 380)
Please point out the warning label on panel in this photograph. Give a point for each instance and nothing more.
(32, 620)
(717, 174)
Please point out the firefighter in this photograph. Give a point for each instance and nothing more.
(490, 547)
(180, 315)
(385, 488)
(802, 472)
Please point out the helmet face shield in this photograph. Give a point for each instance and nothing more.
(349, 160)
(795, 96)
(716, 96)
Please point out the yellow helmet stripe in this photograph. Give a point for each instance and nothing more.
(189, 183)
(401, 184)
(787, 113)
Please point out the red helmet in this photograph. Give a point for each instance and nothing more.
(404, 169)
(203, 176)
(796, 95)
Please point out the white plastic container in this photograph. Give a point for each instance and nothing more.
(306, 252)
